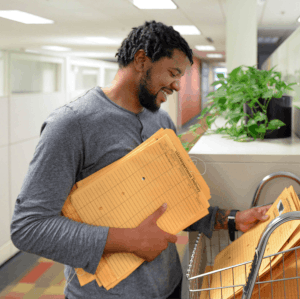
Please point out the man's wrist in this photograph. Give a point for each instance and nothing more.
(237, 220)
(221, 221)
(232, 224)
(121, 240)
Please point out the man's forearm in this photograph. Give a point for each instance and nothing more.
(221, 221)
(120, 240)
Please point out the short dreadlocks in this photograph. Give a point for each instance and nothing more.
(156, 39)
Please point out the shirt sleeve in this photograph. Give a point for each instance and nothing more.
(37, 225)
(206, 224)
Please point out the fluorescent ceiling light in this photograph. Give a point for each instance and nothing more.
(32, 51)
(205, 48)
(23, 17)
(267, 40)
(101, 40)
(214, 55)
(154, 4)
(187, 29)
(56, 48)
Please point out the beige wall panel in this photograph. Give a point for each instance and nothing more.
(28, 112)
(3, 121)
(21, 156)
(4, 197)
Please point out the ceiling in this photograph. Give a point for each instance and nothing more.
(74, 20)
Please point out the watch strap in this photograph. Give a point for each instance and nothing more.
(231, 224)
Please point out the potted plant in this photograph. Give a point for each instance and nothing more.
(244, 100)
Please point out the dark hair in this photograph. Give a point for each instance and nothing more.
(156, 39)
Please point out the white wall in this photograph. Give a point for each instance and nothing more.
(171, 106)
(22, 114)
(241, 33)
(286, 59)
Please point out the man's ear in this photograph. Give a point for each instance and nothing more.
(140, 60)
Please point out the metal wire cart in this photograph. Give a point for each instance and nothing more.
(284, 283)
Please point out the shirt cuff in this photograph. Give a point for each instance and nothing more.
(206, 224)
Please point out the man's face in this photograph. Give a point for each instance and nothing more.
(161, 79)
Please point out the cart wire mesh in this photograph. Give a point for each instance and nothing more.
(280, 282)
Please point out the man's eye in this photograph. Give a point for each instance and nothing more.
(173, 75)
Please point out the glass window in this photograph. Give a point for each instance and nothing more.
(84, 78)
(219, 70)
(29, 76)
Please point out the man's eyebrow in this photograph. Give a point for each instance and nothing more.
(177, 69)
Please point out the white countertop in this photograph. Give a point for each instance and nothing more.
(216, 148)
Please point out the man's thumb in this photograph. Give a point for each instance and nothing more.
(264, 217)
(159, 211)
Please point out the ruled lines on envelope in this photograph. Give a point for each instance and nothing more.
(126, 192)
(127, 195)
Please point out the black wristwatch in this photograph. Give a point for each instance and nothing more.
(231, 224)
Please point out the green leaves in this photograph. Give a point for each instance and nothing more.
(217, 83)
(252, 130)
(221, 101)
(268, 94)
(275, 124)
(261, 129)
(244, 86)
(237, 98)
(210, 119)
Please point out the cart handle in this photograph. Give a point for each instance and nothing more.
(260, 249)
(268, 178)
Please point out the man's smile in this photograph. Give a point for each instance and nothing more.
(166, 92)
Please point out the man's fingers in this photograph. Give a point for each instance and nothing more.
(260, 213)
(266, 208)
(158, 212)
(171, 238)
(264, 217)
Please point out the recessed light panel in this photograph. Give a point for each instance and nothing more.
(56, 48)
(205, 48)
(187, 29)
(214, 55)
(23, 17)
(154, 4)
(32, 51)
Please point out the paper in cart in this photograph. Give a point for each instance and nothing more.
(243, 249)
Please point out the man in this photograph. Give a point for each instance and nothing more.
(90, 133)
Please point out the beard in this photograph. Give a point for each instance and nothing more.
(146, 98)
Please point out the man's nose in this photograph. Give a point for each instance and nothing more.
(176, 85)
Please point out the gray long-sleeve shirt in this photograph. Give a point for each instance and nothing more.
(77, 140)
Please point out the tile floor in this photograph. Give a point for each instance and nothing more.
(43, 278)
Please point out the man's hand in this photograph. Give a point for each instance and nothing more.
(246, 219)
(150, 239)
(146, 241)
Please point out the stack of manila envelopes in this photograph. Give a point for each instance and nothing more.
(126, 192)
(285, 237)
